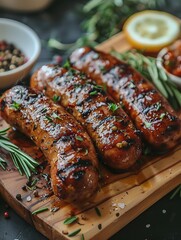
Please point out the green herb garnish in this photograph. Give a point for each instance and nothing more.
(40, 210)
(15, 105)
(24, 163)
(72, 234)
(70, 220)
(48, 118)
(82, 237)
(54, 115)
(162, 115)
(98, 211)
(56, 98)
(93, 93)
(79, 138)
(147, 124)
(113, 107)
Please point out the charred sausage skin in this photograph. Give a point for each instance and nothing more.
(61, 138)
(111, 130)
(149, 111)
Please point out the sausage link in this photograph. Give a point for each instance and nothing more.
(61, 138)
(148, 109)
(111, 130)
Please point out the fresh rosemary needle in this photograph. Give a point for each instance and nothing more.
(23, 162)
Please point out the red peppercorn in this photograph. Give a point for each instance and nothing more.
(6, 215)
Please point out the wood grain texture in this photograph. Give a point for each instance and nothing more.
(120, 199)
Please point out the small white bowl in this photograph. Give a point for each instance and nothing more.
(174, 79)
(25, 39)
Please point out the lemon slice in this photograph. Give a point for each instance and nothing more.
(151, 30)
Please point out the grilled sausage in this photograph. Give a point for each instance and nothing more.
(110, 128)
(61, 138)
(149, 111)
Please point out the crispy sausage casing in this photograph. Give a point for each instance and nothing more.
(61, 138)
(108, 125)
(149, 111)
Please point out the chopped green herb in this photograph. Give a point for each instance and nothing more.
(49, 118)
(40, 210)
(162, 115)
(70, 220)
(98, 211)
(15, 105)
(132, 85)
(82, 237)
(72, 234)
(79, 138)
(147, 124)
(93, 93)
(44, 110)
(67, 64)
(56, 98)
(23, 162)
(158, 106)
(102, 69)
(54, 115)
(113, 107)
(86, 151)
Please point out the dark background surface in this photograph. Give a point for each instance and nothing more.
(62, 20)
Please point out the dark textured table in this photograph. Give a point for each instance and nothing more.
(62, 20)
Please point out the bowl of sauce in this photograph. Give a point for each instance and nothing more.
(169, 59)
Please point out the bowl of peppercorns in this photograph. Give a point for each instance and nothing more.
(19, 50)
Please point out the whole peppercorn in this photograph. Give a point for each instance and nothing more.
(18, 197)
(6, 215)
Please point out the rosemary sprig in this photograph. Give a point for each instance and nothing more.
(148, 67)
(103, 19)
(23, 162)
(70, 220)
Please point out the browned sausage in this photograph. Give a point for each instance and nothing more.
(61, 138)
(149, 111)
(111, 130)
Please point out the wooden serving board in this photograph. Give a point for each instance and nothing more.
(120, 199)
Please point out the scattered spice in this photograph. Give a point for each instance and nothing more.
(121, 205)
(35, 193)
(164, 211)
(18, 197)
(121, 144)
(114, 128)
(24, 188)
(10, 57)
(148, 225)
(6, 215)
(28, 199)
(147, 124)
(100, 226)
(64, 232)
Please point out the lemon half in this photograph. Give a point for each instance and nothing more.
(151, 30)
